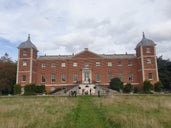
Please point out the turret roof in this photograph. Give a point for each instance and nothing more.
(145, 42)
(27, 44)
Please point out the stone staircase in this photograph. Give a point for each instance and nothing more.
(89, 89)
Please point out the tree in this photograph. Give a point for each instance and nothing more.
(7, 74)
(164, 69)
(116, 84)
(158, 86)
(128, 88)
(147, 86)
(6, 58)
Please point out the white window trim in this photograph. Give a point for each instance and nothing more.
(75, 64)
(109, 64)
(63, 65)
(24, 63)
(97, 63)
(43, 65)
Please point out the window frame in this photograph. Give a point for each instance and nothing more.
(150, 76)
(63, 65)
(43, 78)
(23, 78)
(53, 78)
(43, 65)
(149, 60)
(109, 64)
(63, 78)
(98, 64)
(75, 64)
(98, 77)
(24, 63)
(148, 50)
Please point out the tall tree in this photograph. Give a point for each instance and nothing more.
(164, 68)
(8, 70)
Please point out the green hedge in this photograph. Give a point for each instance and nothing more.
(32, 89)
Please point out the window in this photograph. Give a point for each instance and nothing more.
(25, 52)
(130, 63)
(43, 78)
(130, 77)
(63, 78)
(75, 77)
(86, 65)
(43, 65)
(110, 76)
(53, 78)
(23, 78)
(148, 50)
(24, 63)
(148, 60)
(109, 64)
(75, 64)
(53, 65)
(97, 63)
(150, 76)
(119, 63)
(97, 77)
(63, 65)
(120, 76)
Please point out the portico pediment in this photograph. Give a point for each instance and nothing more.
(87, 54)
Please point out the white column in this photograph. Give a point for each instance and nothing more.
(142, 62)
(18, 66)
(157, 75)
(31, 65)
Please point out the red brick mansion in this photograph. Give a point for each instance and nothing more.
(86, 67)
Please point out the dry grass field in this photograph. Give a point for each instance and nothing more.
(117, 111)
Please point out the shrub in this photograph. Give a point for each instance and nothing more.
(30, 89)
(136, 89)
(128, 88)
(40, 89)
(158, 86)
(147, 86)
(116, 84)
(17, 89)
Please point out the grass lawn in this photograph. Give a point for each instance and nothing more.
(118, 111)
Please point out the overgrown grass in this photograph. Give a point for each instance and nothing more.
(141, 111)
(34, 112)
(118, 111)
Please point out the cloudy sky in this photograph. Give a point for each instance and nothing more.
(69, 26)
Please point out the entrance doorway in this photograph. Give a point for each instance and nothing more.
(86, 76)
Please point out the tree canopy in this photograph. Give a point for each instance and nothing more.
(164, 69)
(8, 70)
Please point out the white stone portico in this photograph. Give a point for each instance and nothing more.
(86, 89)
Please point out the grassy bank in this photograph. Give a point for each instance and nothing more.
(119, 111)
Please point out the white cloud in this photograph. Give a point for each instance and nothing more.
(104, 26)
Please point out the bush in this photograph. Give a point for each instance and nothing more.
(147, 86)
(30, 89)
(116, 84)
(128, 88)
(40, 89)
(158, 86)
(17, 89)
(136, 89)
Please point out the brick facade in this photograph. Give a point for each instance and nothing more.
(86, 67)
